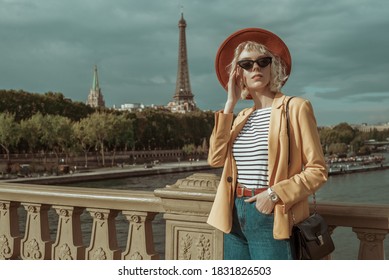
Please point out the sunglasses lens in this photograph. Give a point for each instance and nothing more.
(263, 62)
(246, 64)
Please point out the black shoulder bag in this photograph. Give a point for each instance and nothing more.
(311, 239)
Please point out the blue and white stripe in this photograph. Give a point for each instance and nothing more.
(250, 150)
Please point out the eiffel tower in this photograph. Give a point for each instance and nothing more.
(183, 97)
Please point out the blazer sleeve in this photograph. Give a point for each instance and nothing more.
(218, 143)
(313, 174)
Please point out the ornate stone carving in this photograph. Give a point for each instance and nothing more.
(198, 181)
(99, 216)
(370, 237)
(99, 254)
(5, 249)
(33, 250)
(185, 247)
(64, 212)
(203, 247)
(371, 246)
(136, 256)
(32, 209)
(65, 252)
(135, 219)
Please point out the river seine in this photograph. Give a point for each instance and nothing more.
(366, 188)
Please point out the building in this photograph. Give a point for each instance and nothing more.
(367, 128)
(183, 99)
(131, 107)
(95, 97)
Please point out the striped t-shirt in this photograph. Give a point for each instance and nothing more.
(250, 150)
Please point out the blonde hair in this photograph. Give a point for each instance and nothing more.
(277, 72)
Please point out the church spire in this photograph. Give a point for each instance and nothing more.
(95, 97)
(95, 85)
(183, 96)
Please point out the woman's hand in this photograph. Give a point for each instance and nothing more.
(233, 92)
(262, 202)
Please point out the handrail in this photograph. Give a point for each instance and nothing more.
(81, 197)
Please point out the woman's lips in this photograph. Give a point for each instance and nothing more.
(256, 76)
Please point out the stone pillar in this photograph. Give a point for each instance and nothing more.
(103, 244)
(371, 243)
(187, 204)
(68, 245)
(9, 230)
(36, 244)
(140, 244)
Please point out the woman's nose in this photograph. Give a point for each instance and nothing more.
(256, 66)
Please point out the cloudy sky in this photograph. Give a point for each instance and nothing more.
(339, 50)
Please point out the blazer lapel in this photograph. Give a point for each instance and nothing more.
(240, 122)
(276, 118)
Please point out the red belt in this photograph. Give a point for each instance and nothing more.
(243, 191)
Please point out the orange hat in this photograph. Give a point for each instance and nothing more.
(271, 41)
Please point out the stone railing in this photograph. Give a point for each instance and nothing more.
(184, 205)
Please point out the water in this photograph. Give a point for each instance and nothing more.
(366, 188)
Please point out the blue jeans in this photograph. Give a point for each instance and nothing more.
(251, 237)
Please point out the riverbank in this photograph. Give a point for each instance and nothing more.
(115, 173)
(347, 169)
(125, 171)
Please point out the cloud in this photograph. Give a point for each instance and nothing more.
(339, 49)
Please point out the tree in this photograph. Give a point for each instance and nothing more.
(345, 133)
(9, 132)
(32, 132)
(337, 148)
(57, 134)
(24, 105)
(189, 149)
(121, 133)
(101, 126)
(83, 135)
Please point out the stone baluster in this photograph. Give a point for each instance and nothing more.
(140, 244)
(371, 245)
(103, 244)
(9, 230)
(68, 244)
(187, 204)
(36, 244)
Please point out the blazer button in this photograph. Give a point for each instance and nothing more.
(229, 179)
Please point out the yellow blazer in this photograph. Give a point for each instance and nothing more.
(306, 173)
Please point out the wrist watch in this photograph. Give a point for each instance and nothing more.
(272, 195)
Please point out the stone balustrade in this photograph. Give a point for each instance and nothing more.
(184, 205)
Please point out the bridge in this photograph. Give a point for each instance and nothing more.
(42, 222)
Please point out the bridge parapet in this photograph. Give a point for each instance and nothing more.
(60, 212)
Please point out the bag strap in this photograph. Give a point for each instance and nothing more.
(288, 133)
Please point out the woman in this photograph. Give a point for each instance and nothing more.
(267, 177)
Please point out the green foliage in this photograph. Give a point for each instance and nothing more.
(344, 139)
(24, 105)
(189, 149)
(165, 130)
(337, 148)
(9, 132)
